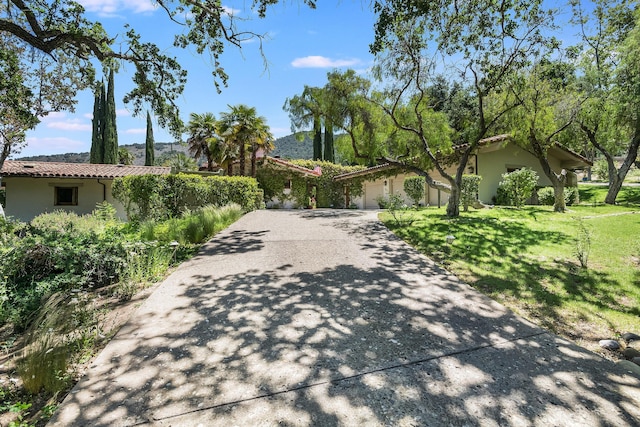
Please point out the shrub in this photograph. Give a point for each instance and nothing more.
(518, 186)
(546, 196)
(329, 193)
(161, 197)
(469, 190)
(600, 168)
(414, 188)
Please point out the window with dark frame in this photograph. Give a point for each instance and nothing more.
(66, 196)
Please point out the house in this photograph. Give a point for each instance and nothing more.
(493, 157)
(291, 169)
(33, 188)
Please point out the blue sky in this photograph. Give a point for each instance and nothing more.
(302, 46)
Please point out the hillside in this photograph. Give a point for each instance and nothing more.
(287, 147)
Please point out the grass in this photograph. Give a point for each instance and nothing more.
(528, 260)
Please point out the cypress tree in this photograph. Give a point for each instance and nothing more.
(110, 133)
(329, 155)
(317, 138)
(149, 155)
(97, 144)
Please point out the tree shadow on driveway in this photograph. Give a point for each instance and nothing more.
(381, 337)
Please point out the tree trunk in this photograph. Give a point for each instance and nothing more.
(243, 158)
(453, 206)
(558, 195)
(253, 162)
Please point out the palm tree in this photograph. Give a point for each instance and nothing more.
(262, 140)
(203, 132)
(243, 129)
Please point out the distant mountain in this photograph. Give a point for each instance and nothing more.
(136, 149)
(287, 147)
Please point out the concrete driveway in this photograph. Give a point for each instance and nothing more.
(324, 318)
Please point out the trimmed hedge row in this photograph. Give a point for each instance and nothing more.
(166, 196)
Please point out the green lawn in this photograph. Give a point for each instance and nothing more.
(526, 260)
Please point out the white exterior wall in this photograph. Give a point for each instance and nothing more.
(384, 187)
(491, 166)
(29, 197)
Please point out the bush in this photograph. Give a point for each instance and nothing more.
(414, 188)
(469, 190)
(193, 227)
(161, 197)
(600, 168)
(518, 186)
(546, 196)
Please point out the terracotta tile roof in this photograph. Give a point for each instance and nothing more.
(315, 172)
(19, 168)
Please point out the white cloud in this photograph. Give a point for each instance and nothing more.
(88, 116)
(122, 113)
(322, 62)
(74, 125)
(54, 115)
(112, 7)
(136, 131)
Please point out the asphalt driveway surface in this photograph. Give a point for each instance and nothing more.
(325, 318)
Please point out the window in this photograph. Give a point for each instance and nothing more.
(66, 196)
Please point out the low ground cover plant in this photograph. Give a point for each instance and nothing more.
(574, 273)
(56, 273)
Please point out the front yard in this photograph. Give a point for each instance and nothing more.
(528, 260)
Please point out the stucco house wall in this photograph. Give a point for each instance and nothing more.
(491, 162)
(33, 188)
(30, 197)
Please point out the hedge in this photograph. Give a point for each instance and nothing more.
(166, 196)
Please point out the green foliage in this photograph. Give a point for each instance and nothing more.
(149, 149)
(469, 190)
(582, 247)
(414, 188)
(110, 131)
(329, 193)
(125, 157)
(518, 186)
(159, 197)
(601, 169)
(96, 155)
(525, 260)
(546, 196)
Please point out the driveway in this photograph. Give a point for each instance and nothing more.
(325, 318)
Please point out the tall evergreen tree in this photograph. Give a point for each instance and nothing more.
(97, 144)
(149, 155)
(317, 138)
(110, 133)
(329, 152)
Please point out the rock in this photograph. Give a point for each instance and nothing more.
(636, 360)
(629, 366)
(630, 336)
(630, 353)
(609, 344)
